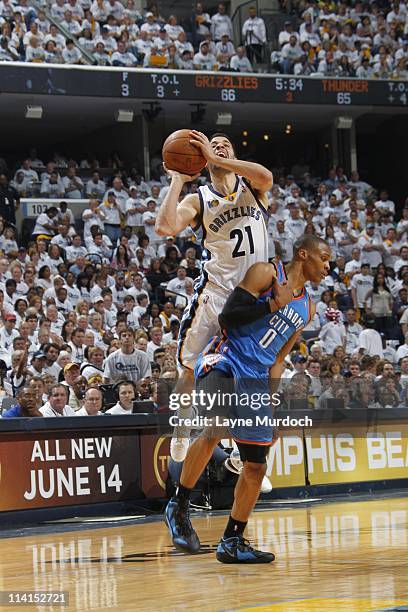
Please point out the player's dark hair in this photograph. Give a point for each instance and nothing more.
(223, 135)
(309, 242)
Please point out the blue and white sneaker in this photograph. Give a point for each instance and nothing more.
(239, 550)
(177, 517)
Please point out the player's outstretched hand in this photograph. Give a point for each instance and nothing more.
(185, 178)
(200, 140)
(282, 294)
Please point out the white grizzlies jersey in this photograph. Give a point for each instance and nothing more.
(234, 233)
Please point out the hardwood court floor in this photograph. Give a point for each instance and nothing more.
(349, 556)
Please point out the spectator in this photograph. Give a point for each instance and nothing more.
(369, 339)
(126, 394)
(201, 24)
(101, 57)
(353, 330)
(182, 44)
(204, 60)
(361, 283)
(378, 302)
(371, 246)
(221, 24)
(124, 58)
(254, 36)
(94, 215)
(303, 67)
(77, 395)
(333, 332)
(57, 405)
(53, 186)
(364, 71)
(71, 372)
(38, 362)
(185, 62)
(71, 55)
(7, 52)
(239, 62)
(178, 284)
(151, 26)
(26, 406)
(156, 337)
(93, 403)
(285, 35)
(128, 362)
(354, 265)
(402, 351)
(55, 37)
(173, 29)
(70, 24)
(73, 184)
(291, 53)
(224, 50)
(9, 200)
(92, 369)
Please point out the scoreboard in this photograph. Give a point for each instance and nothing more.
(229, 88)
(270, 89)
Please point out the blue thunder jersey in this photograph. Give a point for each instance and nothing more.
(247, 352)
(253, 348)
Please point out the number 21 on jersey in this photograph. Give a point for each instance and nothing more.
(238, 235)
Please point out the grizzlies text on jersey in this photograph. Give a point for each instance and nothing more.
(234, 233)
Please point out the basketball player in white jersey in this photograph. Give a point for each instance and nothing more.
(233, 217)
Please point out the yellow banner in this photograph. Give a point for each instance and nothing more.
(286, 464)
(354, 454)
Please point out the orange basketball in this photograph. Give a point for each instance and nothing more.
(179, 155)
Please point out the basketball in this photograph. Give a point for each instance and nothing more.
(179, 155)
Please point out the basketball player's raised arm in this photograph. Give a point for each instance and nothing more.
(173, 217)
(242, 307)
(261, 178)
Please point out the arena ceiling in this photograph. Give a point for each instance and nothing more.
(66, 117)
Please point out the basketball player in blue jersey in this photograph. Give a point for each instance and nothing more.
(232, 214)
(258, 334)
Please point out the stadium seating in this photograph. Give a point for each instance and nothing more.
(130, 275)
(326, 39)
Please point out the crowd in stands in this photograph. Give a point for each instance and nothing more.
(345, 39)
(98, 300)
(117, 34)
(333, 39)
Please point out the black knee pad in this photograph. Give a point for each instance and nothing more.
(255, 453)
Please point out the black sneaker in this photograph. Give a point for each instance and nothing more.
(177, 519)
(239, 550)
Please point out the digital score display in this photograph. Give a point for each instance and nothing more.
(241, 88)
(199, 86)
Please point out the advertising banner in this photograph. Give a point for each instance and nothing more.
(286, 467)
(155, 456)
(286, 462)
(56, 471)
(354, 454)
